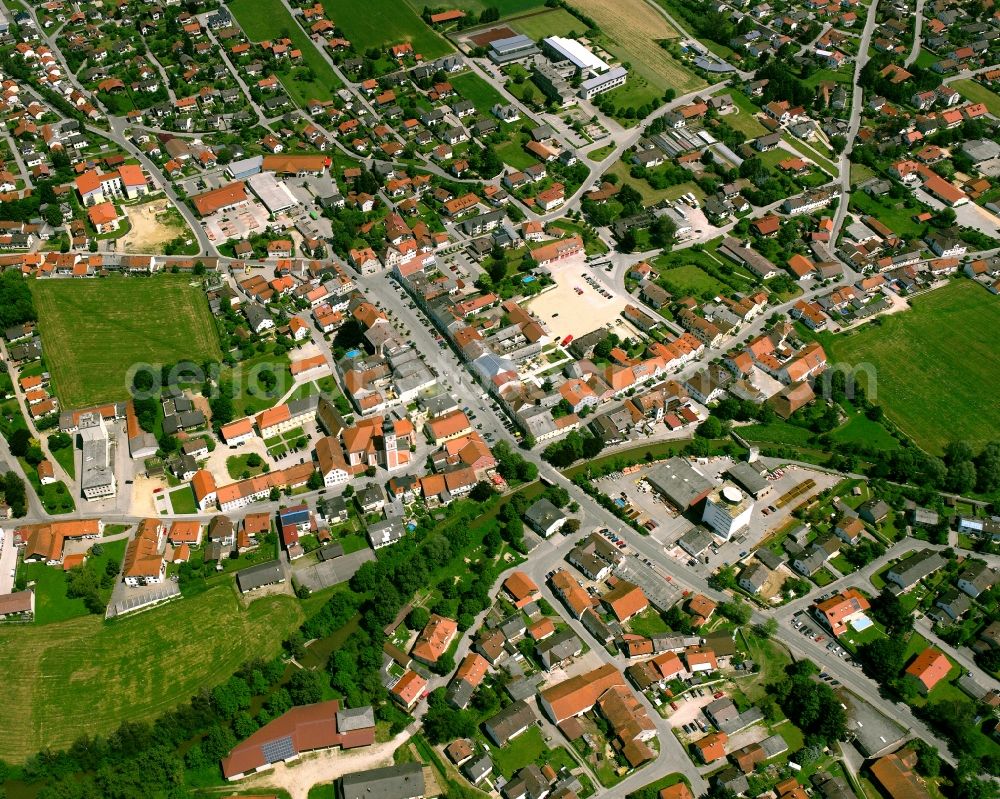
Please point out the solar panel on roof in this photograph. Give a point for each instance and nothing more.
(279, 749)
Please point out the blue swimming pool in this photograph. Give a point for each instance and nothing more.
(353, 353)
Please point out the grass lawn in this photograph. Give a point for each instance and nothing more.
(555, 22)
(744, 121)
(977, 93)
(893, 213)
(525, 749)
(845, 75)
(777, 433)
(65, 458)
(648, 623)
(90, 665)
(513, 154)
(380, 23)
(237, 466)
(601, 152)
(691, 279)
(477, 91)
(860, 173)
(914, 355)
(636, 92)
(251, 398)
(93, 331)
(51, 603)
(862, 430)
(182, 500)
(926, 59)
(268, 19)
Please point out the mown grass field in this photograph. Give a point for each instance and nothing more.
(935, 365)
(554, 22)
(978, 93)
(378, 23)
(477, 91)
(744, 122)
(88, 676)
(269, 19)
(93, 331)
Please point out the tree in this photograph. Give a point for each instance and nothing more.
(736, 611)
(767, 628)
(883, 659)
(887, 609)
(481, 491)
(315, 481)
(306, 687)
(418, 618)
(19, 441)
(988, 468)
(928, 758)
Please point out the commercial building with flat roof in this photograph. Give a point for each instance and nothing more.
(571, 50)
(513, 48)
(605, 82)
(680, 483)
(275, 195)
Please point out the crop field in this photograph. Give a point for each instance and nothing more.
(978, 93)
(269, 19)
(379, 23)
(634, 30)
(935, 365)
(93, 331)
(87, 676)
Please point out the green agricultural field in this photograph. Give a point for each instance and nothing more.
(87, 676)
(557, 22)
(93, 331)
(935, 365)
(379, 23)
(978, 93)
(474, 8)
(269, 19)
(477, 91)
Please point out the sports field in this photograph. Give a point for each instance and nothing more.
(978, 93)
(94, 330)
(635, 29)
(935, 365)
(269, 19)
(378, 23)
(87, 676)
